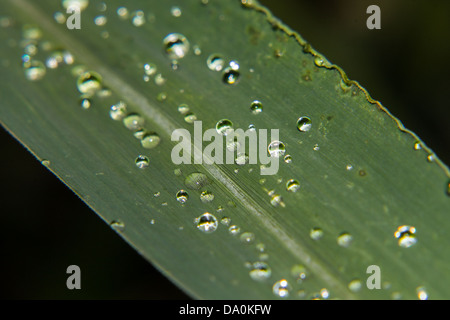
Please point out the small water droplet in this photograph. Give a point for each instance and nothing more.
(175, 11)
(206, 196)
(152, 221)
(430, 158)
(89, 82)
(45, 162)
(197, 50)
(298, 271)
(190, 118)
(316, 233)
(256, 107)
(260, 271)
(292, 185)
(304, 124)
(100, 20)
(281, 288)
(349, 167)
(123, 13)
(324, 293)
(139, 134)
(133, 122)
(80, 4)
(288, 158)
(355, 285)
(117, 225)
(318, 61)
(150, 69)
(234, 230)
(118, 111)
(316, 147)
(196, 181)
(182, 196)
(276, 200)
(241, 159)
(207, 223)
(176, 46)
(224, 126)
(150, 140)
(34, 70)
(215, 62)
(157, 194)
(142, 162)
(247, 237)
(417, 146)
(138, 18)
(422, 293)
(345, 239)
(231, 76)
(406, 236)
(85, 103)
(276, 149)
(225, 221)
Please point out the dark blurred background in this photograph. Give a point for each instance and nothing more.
(404, 65)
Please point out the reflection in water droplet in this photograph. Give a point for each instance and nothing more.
(292, 185)
(118, 111)
(276, 149)
(182, 196)
(34, 70)
(89, 82)
(176, 46)
(304, 124)
(345, 239)
(406, 236)
(133, 122)
(142, 162)
(196, 181)
(260, 271)
(207, 223)
(206, 196)
(316, 233)
(234, 230)
(422, 293)
(215, 62)
(281, 288)
(247, 237)
(256, 107)
(150, 140)
(223, 126)
(117, 225)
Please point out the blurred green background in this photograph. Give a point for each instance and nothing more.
(47, 228)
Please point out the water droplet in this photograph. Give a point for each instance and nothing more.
(175, 11)
(190, 117)
(157, 194)
(80, 4)
(417, 146)
(422, 293)
(430, 158)
(142, 162)
(345, 239)
(247, 237)
(206, 196)
(234, 230)
(59, 17)
(316, 233)
(256, 107)
(324, 293)
(225, 221)
(150, 69)
(288, 158)
(160, 80)
(182, 196)
(230, 76)
(117, 225)
(85, 103)
(406, 236)
(89, 82)
(224, 126)
(448, 189)
(318, 61)
(133, 122)
(260, 271)
(150, 140)
(54, 60)
(241, 159)
(276, 149)
(277, 200)
(316, 147)
(292, 185)
(298, 271)
(139, 134)
(176, 46)
(304, 124)
(196, 181)
(215, 62)
(355, 285)
(118, 111)
(100, 20)
(197, 50)
(349, 167)
(207, 223)
(281, 288)
(138, 18)
(261, 247)
(45, 162)
(34, 70)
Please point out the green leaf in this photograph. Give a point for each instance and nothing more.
(359, 171)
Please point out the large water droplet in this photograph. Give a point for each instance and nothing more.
(150, 140)
(215, 62)
(276, 149)
(304, 124)
(89, 82)
(196, 181)
(207, 223)
(176, 46)
(281, 288)
(260, 271)
(406, 236)
(224, 126)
